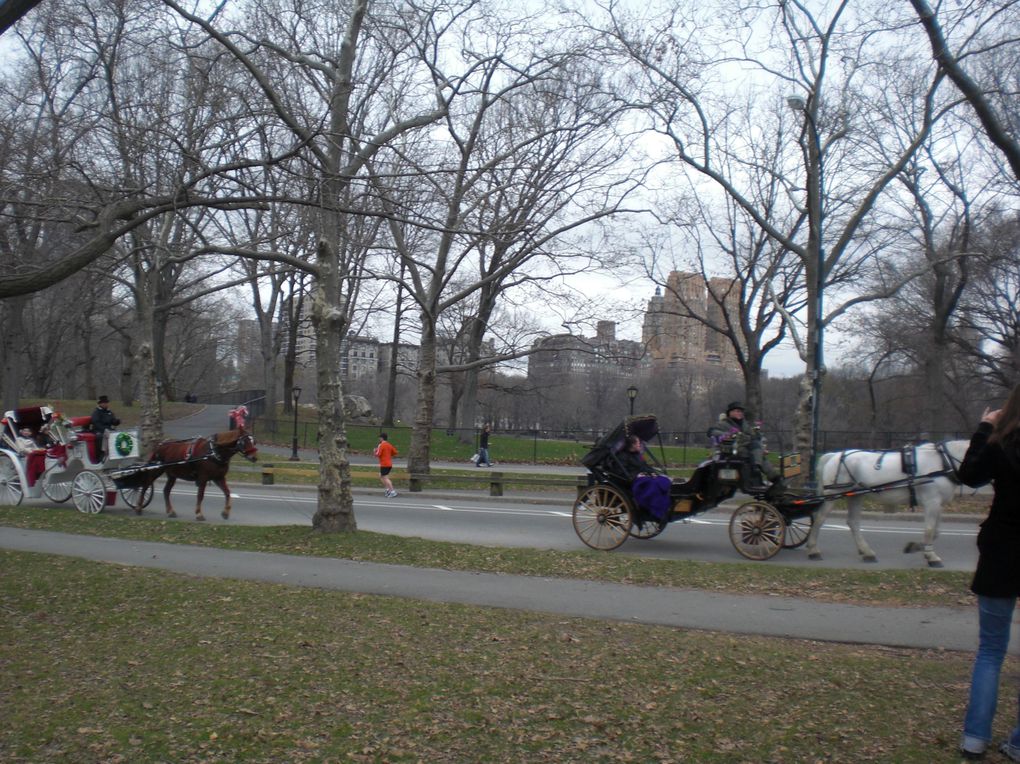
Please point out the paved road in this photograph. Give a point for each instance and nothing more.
(538, 521)
(947, 628)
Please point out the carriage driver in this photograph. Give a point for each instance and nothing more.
(102, 420)
(733, 426)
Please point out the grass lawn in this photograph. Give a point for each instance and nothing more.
(103, 663)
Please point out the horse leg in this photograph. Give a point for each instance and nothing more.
(853, 521)
(198, 506)
(222, 483)
(932, 515)
(811, 547)
(170, 480)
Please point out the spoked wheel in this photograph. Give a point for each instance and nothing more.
(11, 490)
(757, 530)
(602, 517)
(648, 530)
(797, 531)
(137, 498)
(89, 492)
(56, 492)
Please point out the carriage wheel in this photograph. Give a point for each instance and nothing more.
(11, 490)
(137, 498)
(602, 517)
(757, 530)
(797, 531)
(649, 530)
(56, 492)
(89, 492)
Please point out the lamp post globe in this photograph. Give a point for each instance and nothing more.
(632, 394)
(294, 452)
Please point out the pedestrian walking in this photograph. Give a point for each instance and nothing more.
(994, 456)
(385, 452)
(483, 447)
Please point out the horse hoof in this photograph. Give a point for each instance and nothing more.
(869, 558)
(935, 564)
(200, 518)
(911, 547)
(138, 511)
(171, 514)
(225, 515)
(815, 556)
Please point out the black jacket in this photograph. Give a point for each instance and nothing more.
(998, 568)
(103, 420)
(632, 464)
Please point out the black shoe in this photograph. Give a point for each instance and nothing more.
(971, 755)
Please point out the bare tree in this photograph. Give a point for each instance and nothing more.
(337, 91)
(986, 28)
(816, 63)
(526, 150)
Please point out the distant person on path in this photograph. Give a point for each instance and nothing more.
(103, 419)
(483, 447)
(385, 452)
(994, 456)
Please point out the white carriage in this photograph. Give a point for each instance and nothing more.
(45, 454)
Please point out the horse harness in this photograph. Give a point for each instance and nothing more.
(908, 462)
(210, 450)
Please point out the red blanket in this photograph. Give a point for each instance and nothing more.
(35, 465)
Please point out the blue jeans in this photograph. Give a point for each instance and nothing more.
(995, 617)
(483, 456)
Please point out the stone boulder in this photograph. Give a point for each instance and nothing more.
(357, 407)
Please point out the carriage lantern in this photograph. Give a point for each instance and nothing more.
(294, 454)
(632, 394)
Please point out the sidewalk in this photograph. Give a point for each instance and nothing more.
(938, 628)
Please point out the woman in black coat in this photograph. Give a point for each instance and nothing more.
(994, 456)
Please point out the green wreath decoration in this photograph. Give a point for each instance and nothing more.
(124, 443)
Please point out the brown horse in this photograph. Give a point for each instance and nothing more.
(200, 460)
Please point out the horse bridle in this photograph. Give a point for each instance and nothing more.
(244, 445)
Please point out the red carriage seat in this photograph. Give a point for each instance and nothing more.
(81, 425)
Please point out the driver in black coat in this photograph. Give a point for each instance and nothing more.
(732, 429)
(102, 420)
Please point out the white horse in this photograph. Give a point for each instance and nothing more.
(883, 476)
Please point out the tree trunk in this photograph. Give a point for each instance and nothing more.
(391, 378)
(335, 512)
(421, 438)
(127, 371)
(12, 311)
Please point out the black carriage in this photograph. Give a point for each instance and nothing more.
(612, 509)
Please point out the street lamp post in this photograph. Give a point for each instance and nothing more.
(817, 253)
(294, 454)
(632, 394)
